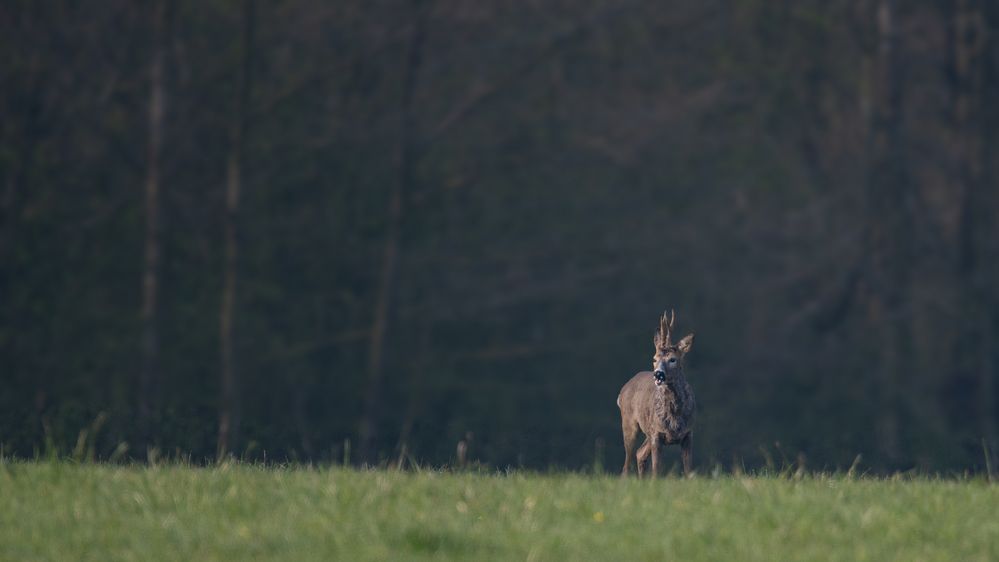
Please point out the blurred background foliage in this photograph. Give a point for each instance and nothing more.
(274, 228)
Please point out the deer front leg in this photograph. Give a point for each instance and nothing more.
(654, 451)
(687, 453)
(642, 457)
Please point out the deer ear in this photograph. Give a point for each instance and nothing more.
(657, 340)
(685, 344)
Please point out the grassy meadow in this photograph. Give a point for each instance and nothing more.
(66, 511)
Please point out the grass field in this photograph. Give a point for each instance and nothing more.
(63, 511)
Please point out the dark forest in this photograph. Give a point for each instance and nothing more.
(443, 232)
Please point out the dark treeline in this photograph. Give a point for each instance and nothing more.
(274, 228)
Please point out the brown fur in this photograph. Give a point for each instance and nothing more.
(660, 407)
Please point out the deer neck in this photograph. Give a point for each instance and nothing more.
(668, 402)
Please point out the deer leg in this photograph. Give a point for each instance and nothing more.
(642, 456)
(654, 451)
(630, 432)
(687, 453)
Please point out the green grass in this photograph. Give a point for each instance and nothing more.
(65, 511)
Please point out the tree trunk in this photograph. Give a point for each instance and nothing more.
(972, 349)
(987, 229)
(149, 373)
(416, 393)
(406, 156)
(300, 406)
(230, 402)
(887, 234)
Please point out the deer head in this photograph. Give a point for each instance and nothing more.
(668, 357)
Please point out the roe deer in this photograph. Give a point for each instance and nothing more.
(660, 403)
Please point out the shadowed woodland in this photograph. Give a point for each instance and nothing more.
(373, 230)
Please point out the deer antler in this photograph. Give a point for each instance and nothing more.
(665, 330)
(672, 320)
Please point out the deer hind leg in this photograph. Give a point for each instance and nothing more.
(630, 431)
